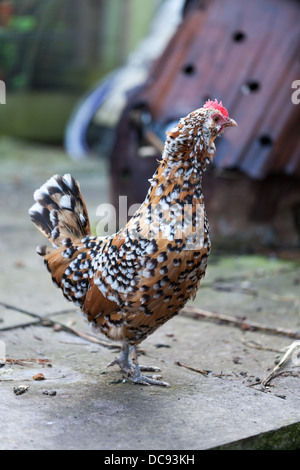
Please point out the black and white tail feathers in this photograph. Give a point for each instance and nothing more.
(60, 212)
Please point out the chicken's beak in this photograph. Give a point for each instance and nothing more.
(230, 123)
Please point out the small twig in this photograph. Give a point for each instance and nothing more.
(50, 322)
(195, 312)
(30, 379)
(28, 362)
(255, 345)
(203, 372)
(289, 373)
(91, 338)
(221, 375)
(82, 334)
(275, 372)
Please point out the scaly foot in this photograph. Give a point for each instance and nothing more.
(134, 370)
(147, 380)
(138, 378)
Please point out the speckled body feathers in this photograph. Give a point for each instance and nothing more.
(131, 282)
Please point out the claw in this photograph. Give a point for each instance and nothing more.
(137, 378)
(146, 380)
(134, 370)
(149, 368)
(124, 366)
(123, 361)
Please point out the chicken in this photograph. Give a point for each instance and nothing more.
(129, 283)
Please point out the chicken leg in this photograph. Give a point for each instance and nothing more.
(133, 370)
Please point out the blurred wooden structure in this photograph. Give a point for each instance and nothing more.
(247, 55)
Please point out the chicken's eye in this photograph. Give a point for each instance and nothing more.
(216, 118)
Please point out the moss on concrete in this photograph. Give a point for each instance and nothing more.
(286, 438)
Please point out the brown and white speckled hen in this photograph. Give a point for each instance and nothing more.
(130, 283)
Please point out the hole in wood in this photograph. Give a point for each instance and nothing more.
(239, 36)
(250, 87)
(189, 69)
(265, 140)
(125, 174)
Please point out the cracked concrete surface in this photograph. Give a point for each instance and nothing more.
(82, 404)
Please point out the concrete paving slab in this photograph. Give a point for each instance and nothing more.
(24, 168)
(91, 407)
(267, 293)
(26, 284)
(11, 318)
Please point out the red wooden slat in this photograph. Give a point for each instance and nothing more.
(203, 59)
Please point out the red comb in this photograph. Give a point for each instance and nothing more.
(216, 105)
